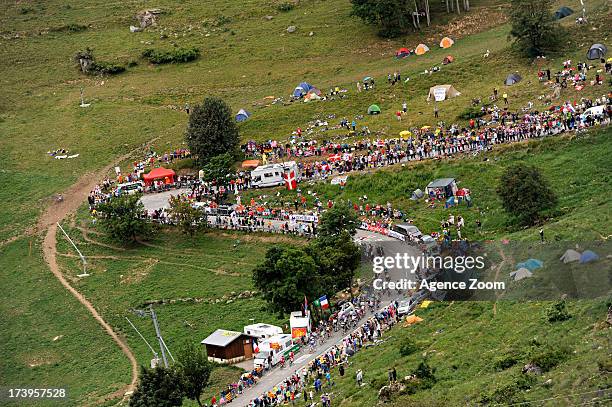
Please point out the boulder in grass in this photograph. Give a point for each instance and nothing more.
(291, 29)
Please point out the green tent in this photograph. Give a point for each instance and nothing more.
(374, 109)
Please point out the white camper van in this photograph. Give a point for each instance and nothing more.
(276, 347)
(262, 331)
(271, 175)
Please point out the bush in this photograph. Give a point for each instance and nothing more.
(107, 68)
(557, 312)
(471, 113)
(285, 7)
(505, 363)
(408, 347)
(509, 393)
(177, 55)
(550, 358)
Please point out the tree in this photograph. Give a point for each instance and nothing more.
(218, 168)
(286, 275)
(392, 17)
(211, 130)
(340, 218)
(533, 26)
(122, 218)
(337, 261)
(159, 387)
(525, 193)
(195, 369)
(188, 218)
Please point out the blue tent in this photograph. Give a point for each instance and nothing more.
(530, 264)
(242, 115)
(302, 89)
(306, 86)
(588, 256)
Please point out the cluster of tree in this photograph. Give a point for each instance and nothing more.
(166, 387)
(395, 17)
(327, 265)
(122, 218)
(534, 28)
(185, 216)
(526, 194)
(212, 136)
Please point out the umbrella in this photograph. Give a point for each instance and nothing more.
(367, 79)
(425, 127)
(405, 133)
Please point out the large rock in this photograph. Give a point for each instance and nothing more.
(148, 17)
(291, 29)
(386, 392)
(532, 368)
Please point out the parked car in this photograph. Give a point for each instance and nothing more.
(410, 231)
(129, 188)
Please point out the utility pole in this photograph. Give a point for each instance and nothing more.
(162, 345)
(84, 274)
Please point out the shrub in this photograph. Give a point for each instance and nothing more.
(177, 55)
(557, 312)
(509, 393)
(505, 363)
(550, 358)
(471, 113)
(107, 68)
(285, 7)
(408, 347)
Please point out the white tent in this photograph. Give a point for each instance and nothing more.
(570, 256)
(521, 274)
(442, 92)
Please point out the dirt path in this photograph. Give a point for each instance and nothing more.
(73, 198)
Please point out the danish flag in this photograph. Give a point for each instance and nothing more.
(290, 181)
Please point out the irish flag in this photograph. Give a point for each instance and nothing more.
(323, 302)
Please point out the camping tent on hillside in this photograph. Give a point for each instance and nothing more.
(531, 264)
(302, 89)
(521, 274)
(570, 256)
(421, 49)
(446, 42)
(374, 109)
(563, 12)
(448, 60)
(242, 115)
(402, 53)
(512, 79)
(597, 51)
(588, 256)
(442, 92)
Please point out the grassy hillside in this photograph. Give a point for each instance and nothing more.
(495, 344)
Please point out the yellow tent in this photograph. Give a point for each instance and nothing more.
(412, 319)
(425, 304)
(446, 42)
(421, 49)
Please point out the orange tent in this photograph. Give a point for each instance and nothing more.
(446, 42)
(412, 319)
(250, 164)
(421, 49)
(160, 173)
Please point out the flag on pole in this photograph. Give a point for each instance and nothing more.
(290, 180)
(323, 302)
(305, 308)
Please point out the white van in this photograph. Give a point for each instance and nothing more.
(262, 331)
(129, 188)
(276, 346)
(272, 175)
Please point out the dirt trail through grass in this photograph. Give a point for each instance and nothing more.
(71, 200)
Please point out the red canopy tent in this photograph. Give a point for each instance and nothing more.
(160, 173)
